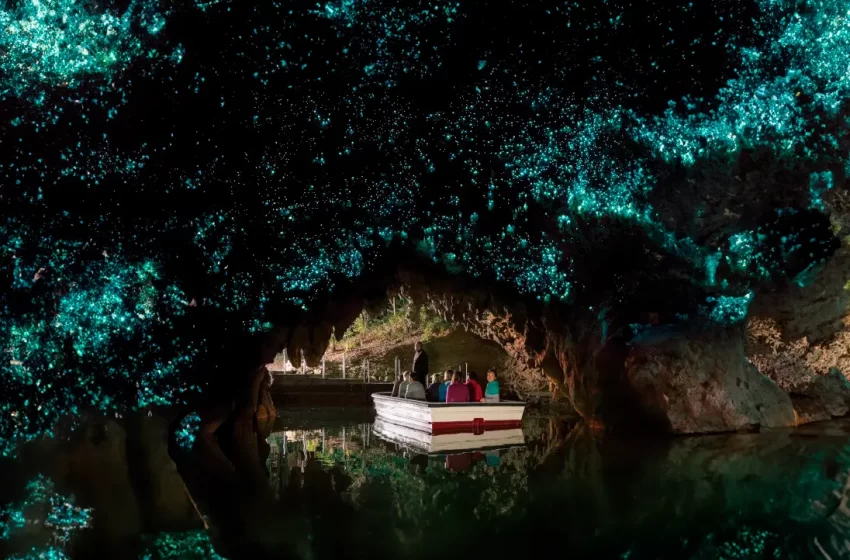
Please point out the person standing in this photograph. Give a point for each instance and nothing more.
(419, 371)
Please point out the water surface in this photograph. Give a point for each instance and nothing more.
(322, 484)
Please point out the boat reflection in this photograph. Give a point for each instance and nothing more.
(461, 462)
(447, 443)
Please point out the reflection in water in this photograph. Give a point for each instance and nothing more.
(460, 462)
(95, 495)
(41, 506)
(774, 494)
(318, 487)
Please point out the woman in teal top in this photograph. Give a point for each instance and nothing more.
(491, 393)
(444, 387)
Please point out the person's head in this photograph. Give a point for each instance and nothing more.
(491, 374)
(406, 376)
(447, 376)
(457, 377)
(471, 375)
(418, 346)
(435, 378)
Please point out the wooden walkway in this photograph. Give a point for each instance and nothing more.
(313, 390)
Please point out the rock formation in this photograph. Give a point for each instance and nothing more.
(800, 338)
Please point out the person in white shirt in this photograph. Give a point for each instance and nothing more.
(401, 391)
(415, 390)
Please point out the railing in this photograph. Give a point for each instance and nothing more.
(366, 371)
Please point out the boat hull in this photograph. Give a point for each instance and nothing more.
(447, 443)
(448, 418)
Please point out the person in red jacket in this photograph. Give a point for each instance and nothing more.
(476, 393)
(457, 391)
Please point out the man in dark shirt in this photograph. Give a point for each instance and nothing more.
(420, 364)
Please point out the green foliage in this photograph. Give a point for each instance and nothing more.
(359, 327)
(433, 326)
(386, 326)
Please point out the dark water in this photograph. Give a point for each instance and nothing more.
(322, 484)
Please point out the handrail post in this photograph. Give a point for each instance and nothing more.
(323, 367)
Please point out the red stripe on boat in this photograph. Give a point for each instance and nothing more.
(478, 425)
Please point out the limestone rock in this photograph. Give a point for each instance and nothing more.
(825, 397)
(815, 311)
(96, 471)
(162, 495)
(702, 382)
(800, 338)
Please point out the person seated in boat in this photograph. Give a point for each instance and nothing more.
(475, 391)
(415, 390)
(457, 391)
(444, 386)
(434, 389)
(401, 390)
(491, 393)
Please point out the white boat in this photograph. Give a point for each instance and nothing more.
(437, 418)
(442, 444)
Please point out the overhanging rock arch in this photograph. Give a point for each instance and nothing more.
(692, 380)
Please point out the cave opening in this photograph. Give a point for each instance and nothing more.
(380, 342)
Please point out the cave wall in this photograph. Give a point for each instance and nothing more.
(798, 333)
(799, 336)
